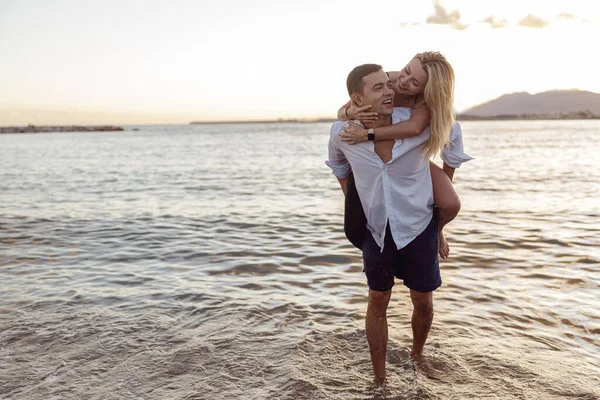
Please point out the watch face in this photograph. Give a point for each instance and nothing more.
(371, 136)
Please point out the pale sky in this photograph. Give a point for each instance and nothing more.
(176, 61)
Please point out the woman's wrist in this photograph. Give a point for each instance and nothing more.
(346, 112)
(365, 136)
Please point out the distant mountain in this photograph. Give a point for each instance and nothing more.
(554, 102)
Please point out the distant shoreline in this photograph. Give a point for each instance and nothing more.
(59, 128)
(460, 117)
(466, 117)
(266, 121)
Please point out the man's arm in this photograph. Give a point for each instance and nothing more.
(344, 184)
(336, 160)
(449, 171)
(454, 155)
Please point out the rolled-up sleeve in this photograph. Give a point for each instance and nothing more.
(454, 155)
(337, 161)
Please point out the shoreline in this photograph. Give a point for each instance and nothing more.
(267, 121)
(465, 117)
(59, 128)
(114, 128)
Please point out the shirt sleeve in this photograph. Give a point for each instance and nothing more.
(337, 161)
(454, 155)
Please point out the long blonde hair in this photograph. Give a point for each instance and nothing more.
(439, 96)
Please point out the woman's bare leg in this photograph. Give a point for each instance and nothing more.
(447, 202)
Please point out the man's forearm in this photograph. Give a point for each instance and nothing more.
(449, 171)
(344, 184)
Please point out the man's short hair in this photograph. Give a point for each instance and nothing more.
(355, 83)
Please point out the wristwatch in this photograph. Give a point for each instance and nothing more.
(371, 135)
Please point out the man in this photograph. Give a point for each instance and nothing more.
(394, 184)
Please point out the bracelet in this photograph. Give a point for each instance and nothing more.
(346, 112)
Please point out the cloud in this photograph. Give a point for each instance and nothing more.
(565, 16)
(531, 21)
(495, 23)
(459, 26)
(408, 24)
(443, 17)
(570, 17)
(453, 18)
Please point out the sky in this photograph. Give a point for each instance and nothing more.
(153, 61)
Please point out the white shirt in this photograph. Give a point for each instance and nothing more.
(399, 191)
(454, 155)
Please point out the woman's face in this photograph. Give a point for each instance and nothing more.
(412, 79)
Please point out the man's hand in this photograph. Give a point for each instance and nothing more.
(354, 133)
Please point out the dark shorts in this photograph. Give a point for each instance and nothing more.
(355, 221)
(416, 263)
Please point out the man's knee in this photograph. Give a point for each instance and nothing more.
(378, 301)
(422, 302)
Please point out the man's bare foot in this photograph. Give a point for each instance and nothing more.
(423, 365)
(379, 388)
(377, 382)
(416, 355)
(444, 249)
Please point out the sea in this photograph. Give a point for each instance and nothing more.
(209, 262)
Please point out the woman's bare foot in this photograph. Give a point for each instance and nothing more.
(444, 249)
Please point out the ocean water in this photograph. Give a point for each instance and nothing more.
(209, 262)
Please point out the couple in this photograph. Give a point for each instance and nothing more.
(383, 168)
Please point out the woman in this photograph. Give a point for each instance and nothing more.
(426, 85)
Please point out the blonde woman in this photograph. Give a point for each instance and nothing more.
(426, 85)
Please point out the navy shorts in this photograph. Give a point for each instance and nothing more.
(416, 263)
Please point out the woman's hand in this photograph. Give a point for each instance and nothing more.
(354, 134)
(361, 113)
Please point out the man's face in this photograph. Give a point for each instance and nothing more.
(412, 79)
(377, 92)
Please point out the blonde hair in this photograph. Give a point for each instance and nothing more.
(439, 96)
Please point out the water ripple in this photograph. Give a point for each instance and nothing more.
(166, 263)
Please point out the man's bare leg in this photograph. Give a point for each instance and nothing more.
(422, 318)
(377, 330)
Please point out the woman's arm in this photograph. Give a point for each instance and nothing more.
(352, 111)
(341, 114)
(418, 121)
(393, 75)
